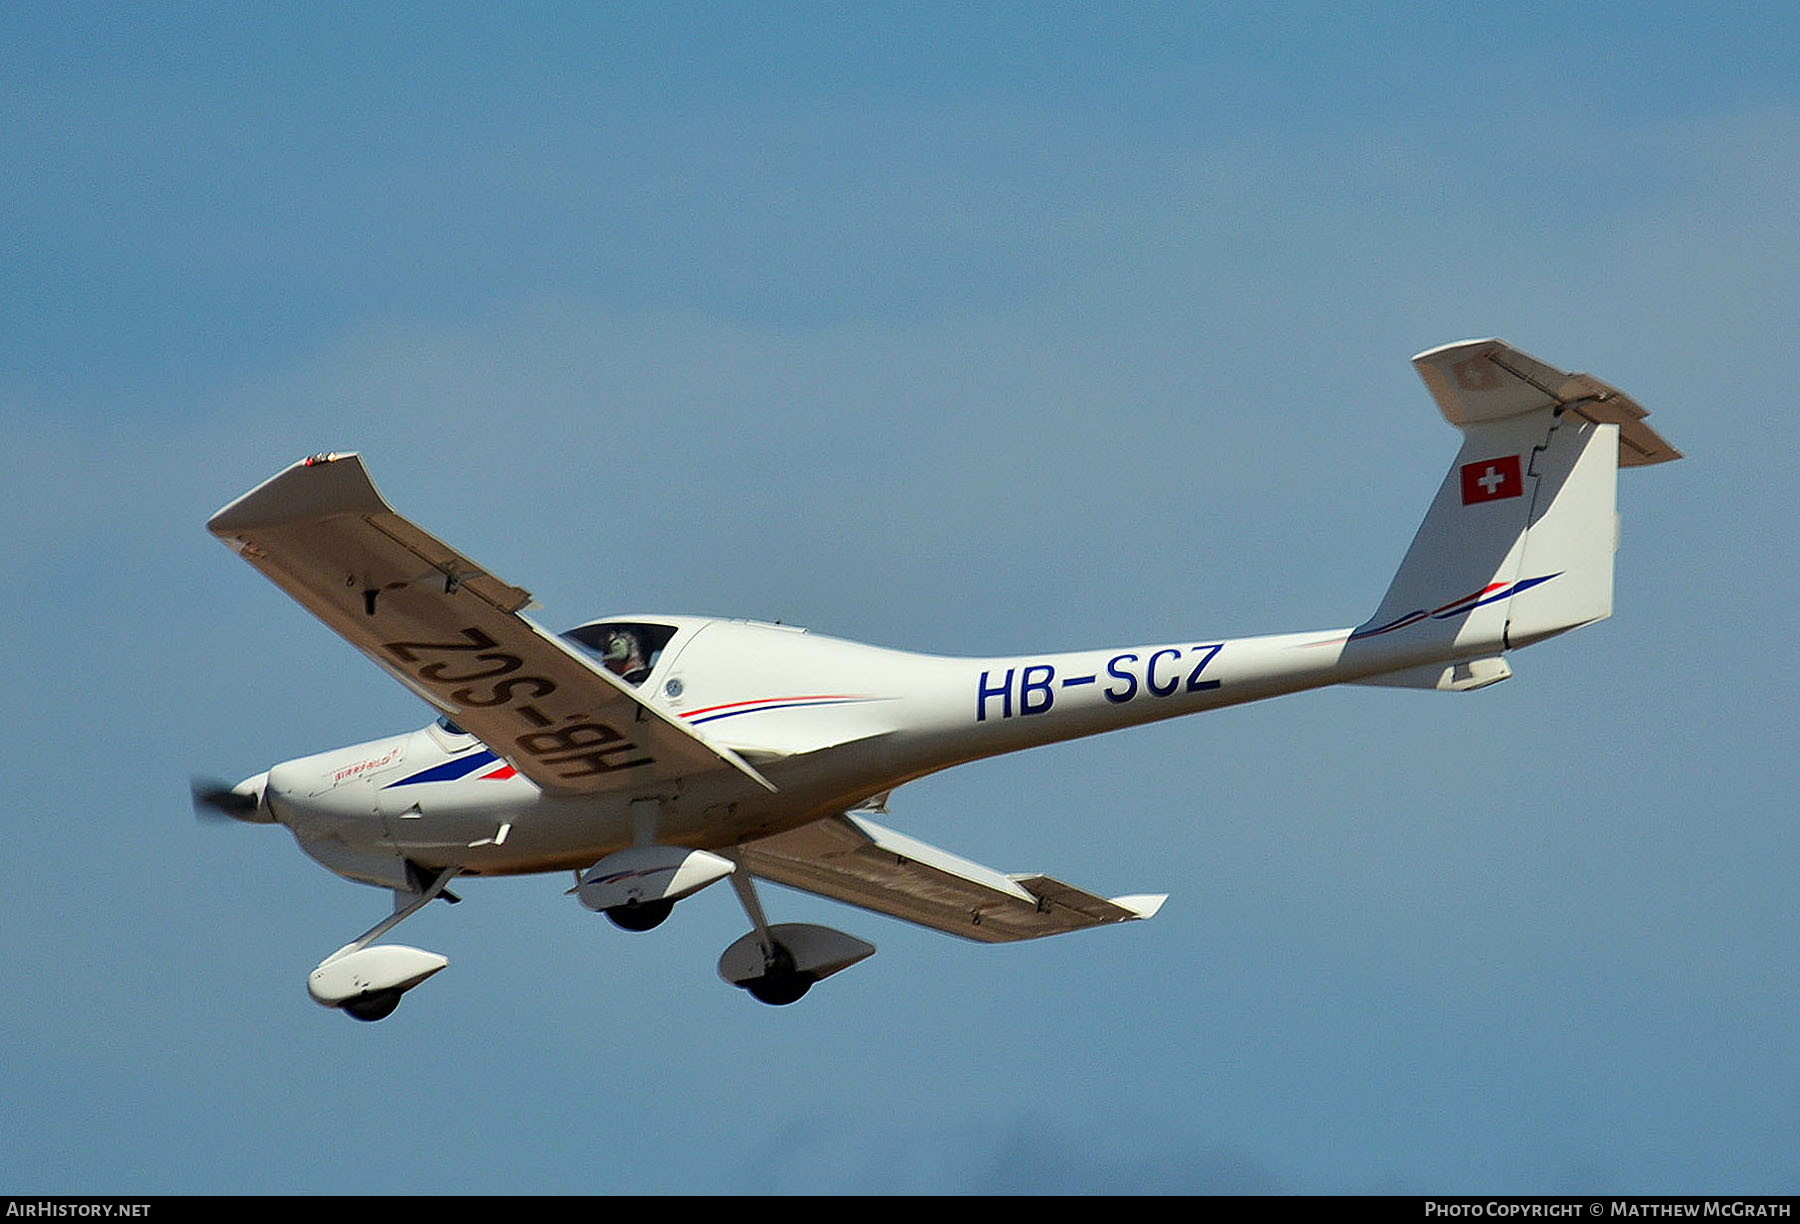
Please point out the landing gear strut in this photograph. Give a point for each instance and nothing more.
(778, 964)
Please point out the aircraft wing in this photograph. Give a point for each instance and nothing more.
(852, 859)
(451, 632)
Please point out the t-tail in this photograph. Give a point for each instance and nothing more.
(1518, 544)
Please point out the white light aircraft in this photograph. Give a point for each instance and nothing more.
(652, 756)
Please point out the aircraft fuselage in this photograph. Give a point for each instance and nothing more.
(829, 722)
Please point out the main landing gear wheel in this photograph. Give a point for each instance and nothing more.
(778, 964)
(780, 989)
(781, 983)
(371, 1007)
(640, 915)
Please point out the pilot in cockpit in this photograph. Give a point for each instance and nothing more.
(624, 657)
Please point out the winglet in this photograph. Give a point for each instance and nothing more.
(1144, 905)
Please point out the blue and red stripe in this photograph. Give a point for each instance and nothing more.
(732, 709)
(1493, 592)
(461, 767)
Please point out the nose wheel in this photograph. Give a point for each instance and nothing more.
(364, 979)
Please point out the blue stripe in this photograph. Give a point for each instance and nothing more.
(449, 771)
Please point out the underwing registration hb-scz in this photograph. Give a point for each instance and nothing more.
(652, 756)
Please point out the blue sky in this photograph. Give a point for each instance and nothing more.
(963, 329)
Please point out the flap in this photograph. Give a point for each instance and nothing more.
(852, 859)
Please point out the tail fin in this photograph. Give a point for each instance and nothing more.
(1518, 544)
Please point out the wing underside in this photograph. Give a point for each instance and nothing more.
(450, 631)
(852, 859)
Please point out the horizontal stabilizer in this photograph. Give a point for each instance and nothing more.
(1478, 381)
(852, 859)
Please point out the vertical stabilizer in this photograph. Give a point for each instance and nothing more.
(1518, 543)
(1448, 598)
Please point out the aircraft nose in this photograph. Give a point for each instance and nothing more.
(281, 780)
(285, 788)
(301, 794)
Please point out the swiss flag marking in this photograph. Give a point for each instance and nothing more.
(1491, 480)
